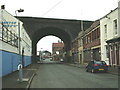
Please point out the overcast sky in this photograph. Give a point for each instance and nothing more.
(67, 9)
(61, 9)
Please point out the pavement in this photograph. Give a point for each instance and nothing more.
(11, 80)
(111, 69)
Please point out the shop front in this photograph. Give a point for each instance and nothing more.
(113, 51)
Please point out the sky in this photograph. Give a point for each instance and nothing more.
(65, 9)
(60, 9)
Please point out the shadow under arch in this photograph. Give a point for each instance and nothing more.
(46, 31)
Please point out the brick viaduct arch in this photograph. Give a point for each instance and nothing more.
(66, 38)
(38, 28)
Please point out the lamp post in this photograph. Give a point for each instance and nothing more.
(19, 48)
(20, 10)
(40, 54)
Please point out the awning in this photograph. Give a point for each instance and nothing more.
(113, 40)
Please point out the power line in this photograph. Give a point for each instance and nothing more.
(52, 8)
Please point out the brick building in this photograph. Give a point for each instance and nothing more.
(57, 50)
(80, 47)
(75, 50)
(91, 42)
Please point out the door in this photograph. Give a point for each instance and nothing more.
(80, 58)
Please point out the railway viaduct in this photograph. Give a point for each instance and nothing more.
(66, 30)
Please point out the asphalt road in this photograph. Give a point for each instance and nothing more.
(65, 76)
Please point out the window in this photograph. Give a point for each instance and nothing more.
(115, 26)
(105, 30)
(98, 33)
(89, 38)
(86, 39)
(94, 35)
(107, 52)
(83, 40)
(80, 42)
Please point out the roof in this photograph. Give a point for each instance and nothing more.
(58, 44)
(94, 25)
(113, 40)
(109, 13)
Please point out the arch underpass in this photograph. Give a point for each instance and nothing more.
(66, 30)
(64, 36)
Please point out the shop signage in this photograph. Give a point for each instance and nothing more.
(9, 24)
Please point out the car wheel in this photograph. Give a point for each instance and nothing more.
(86, 70)
(93, 71)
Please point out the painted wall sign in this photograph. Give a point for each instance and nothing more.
(9, 23)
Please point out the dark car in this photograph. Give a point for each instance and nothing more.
(97, 66)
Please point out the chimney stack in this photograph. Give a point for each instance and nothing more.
(2, 6)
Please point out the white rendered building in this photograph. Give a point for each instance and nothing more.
(110, 38)
(9, 48)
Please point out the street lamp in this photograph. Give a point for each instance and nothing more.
(19, 48)
(2, 6)
(20, 10)
(40, 54)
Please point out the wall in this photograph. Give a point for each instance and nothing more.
(80, 47)
(91, 42)
(25, 42)
(10, 62)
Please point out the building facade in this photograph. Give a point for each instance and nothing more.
(91, 42)
(119, 24)
(9, 48)
(57, 50)
(110, 38)
(80, 47)
(75, 50)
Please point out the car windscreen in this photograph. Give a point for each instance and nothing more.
(100, 62)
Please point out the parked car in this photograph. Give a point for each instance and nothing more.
(97, 66)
